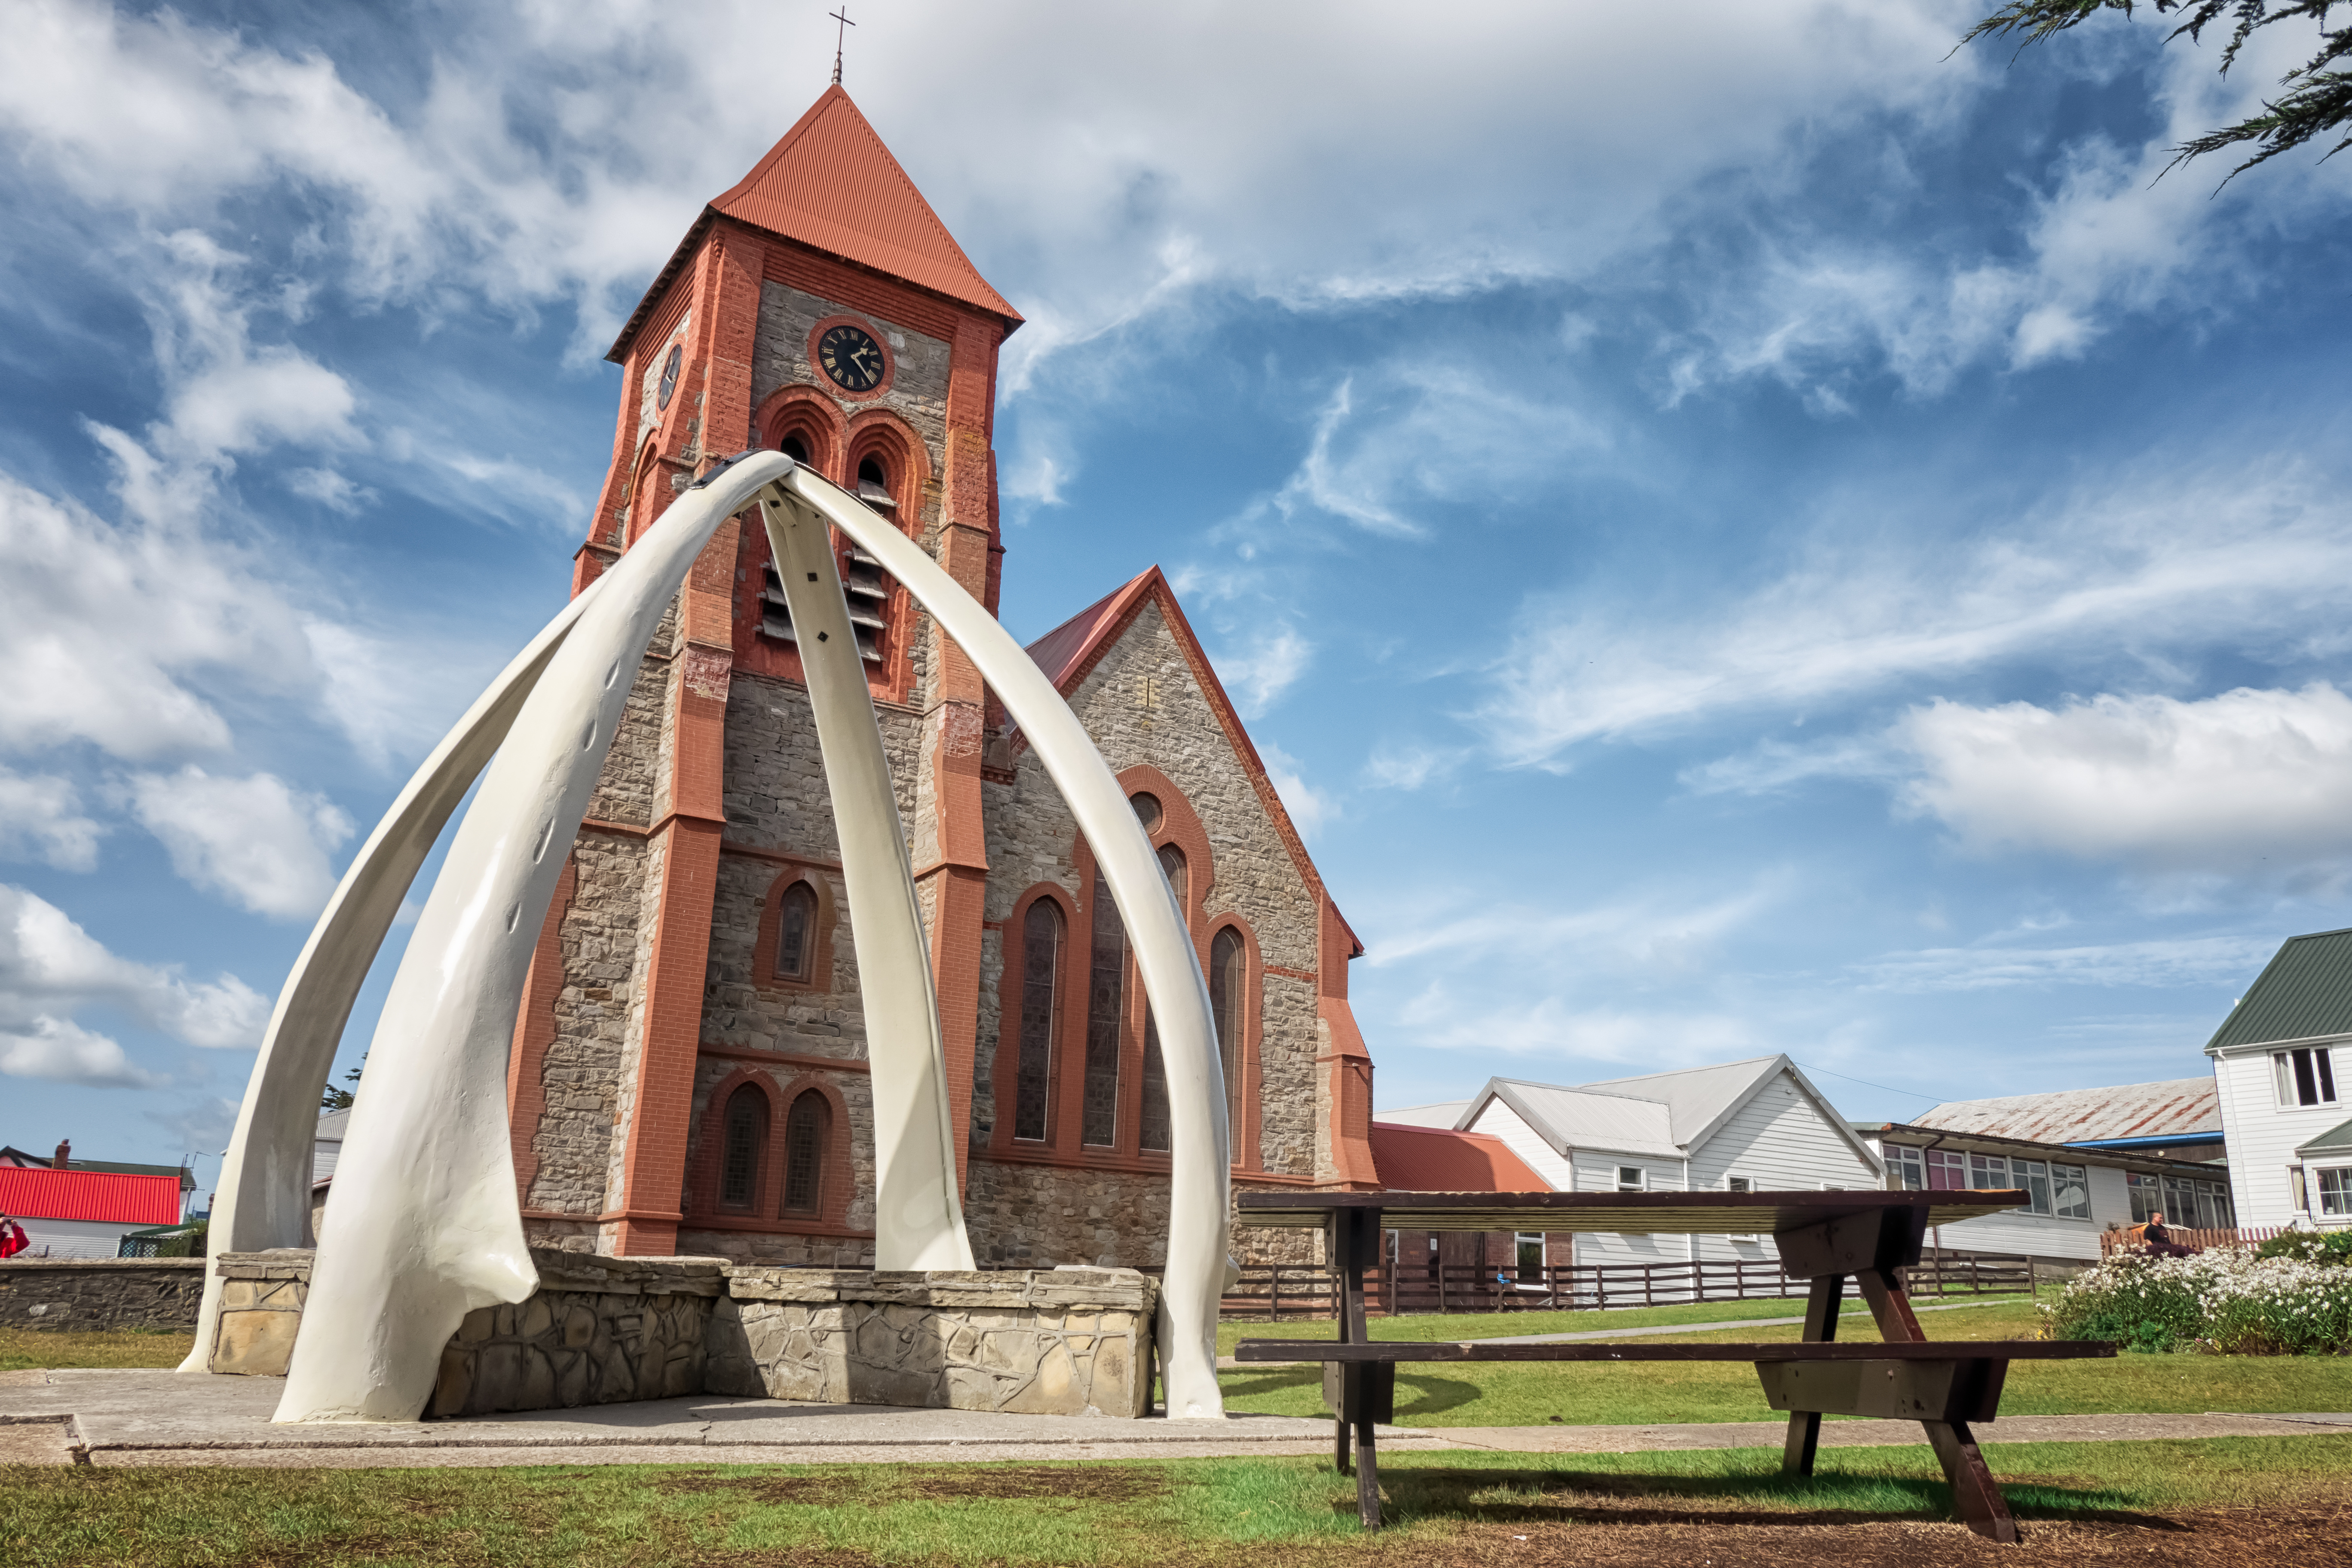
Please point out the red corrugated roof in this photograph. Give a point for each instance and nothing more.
(831, 184)
(1062, 650)
(90, 1194)
(1438, 1160)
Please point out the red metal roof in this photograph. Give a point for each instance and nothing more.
(90, 1194)
(1069, 645)
(831, 184)
(1439, 1160)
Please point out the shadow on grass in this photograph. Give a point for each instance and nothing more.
(1418, 1394)
(1497, 1496)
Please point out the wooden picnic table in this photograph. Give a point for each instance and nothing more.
(1826, 1237)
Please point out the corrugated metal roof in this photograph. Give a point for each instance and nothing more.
(1440, 1160)
(90, 1195)
(1695, 1097)
(829, 181)
(2305, 990)
(2075, 1115)
(1580, 1118)
(11, 1155)
(1061, 650)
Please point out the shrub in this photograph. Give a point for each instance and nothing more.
(2226, 1300)
(2321, 1246)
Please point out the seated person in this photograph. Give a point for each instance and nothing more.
(2160, 1240)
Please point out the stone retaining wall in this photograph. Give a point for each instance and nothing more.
(597, 1332)
(1060, 1341)
(87, 1294)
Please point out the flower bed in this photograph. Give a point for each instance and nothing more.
(2227, 1302)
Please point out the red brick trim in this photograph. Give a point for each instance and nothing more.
(1292, 973)
(702, 1193)
(771, 1227)
(1248, 1097)
(785, 1059)
(535, 1031)
(763, 952)
(1069, 982)
(803, 410)
(838, 1176)
(881, 336)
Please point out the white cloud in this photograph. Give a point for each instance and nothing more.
(330, 490)
(2235, 785)
(2164, 962)
(2109, 234)
(49, 967)
(1585, 1041)
(1311, 808)
(1656, 932)
(1269, 665)
(40, 818)
(257, 841)
(103, 630)
(1407, 764)
(64, 1052)
(2178, 562)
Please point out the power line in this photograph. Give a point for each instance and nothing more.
(1912, 1093)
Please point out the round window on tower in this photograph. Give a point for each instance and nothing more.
(1146, 810)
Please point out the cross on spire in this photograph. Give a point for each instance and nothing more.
(840, 37)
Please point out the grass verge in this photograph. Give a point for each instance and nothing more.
(21, 1349)
(1209, 1513)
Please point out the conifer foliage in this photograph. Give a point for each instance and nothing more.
(2317, 99)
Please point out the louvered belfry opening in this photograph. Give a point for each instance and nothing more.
(864, 582)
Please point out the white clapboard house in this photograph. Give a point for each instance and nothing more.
(1740, 1126)
(2279, 1059)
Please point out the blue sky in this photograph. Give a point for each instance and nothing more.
(1737, 528)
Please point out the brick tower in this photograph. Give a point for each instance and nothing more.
(690, 1056)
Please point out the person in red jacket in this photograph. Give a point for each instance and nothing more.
(13, 1239)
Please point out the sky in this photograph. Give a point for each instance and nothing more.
(1736, 527)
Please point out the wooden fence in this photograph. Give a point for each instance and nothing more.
(2112, 1242)
(1307, 1290)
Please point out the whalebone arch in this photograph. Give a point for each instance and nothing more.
(429, 1226)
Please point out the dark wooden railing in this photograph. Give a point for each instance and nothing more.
(1306, 1290)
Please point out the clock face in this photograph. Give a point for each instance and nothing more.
(668, 376)
(851, 358)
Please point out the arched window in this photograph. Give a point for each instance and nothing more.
(796, 932)
(1147, 809)
(1228, 979)
(807, 1128)
(1107, 972)
(795, 448)
(1041, 976)
(874, 484)
(1153, 1133)
(744, 1134)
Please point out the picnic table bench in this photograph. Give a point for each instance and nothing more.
(1826, 1237)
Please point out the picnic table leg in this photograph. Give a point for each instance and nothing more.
(1974, 1492)
(1357, 1234)
(1805, 1425)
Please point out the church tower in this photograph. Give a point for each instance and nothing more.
(690, 1072)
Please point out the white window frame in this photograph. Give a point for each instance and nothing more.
(2034, 1175)
(1520, 1241)
(1946, 1160)
(1987, 1162)
(2298, 1189)
(1735, 1183)
(1904, 1164)
(2080, 1177)
(1641, 1179)
(2289, 1092)
(2337, 1204)
(2145, 1194)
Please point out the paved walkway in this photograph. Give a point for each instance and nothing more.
(160, 1418)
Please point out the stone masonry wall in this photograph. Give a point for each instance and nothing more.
(598, 1331)
(581, 1072)
(1048, 1343)
(918, 379)
(82, 1295)
(1031, 831)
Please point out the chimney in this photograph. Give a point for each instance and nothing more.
(63, 1158)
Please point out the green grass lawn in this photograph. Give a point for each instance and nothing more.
(22, 1348)
(1492, 1325)
(1195, 1513)
(1639, 1392)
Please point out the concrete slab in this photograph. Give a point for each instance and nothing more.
(36, 1443)
(118, 1412)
